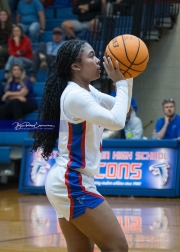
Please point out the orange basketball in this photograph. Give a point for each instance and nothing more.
(131, 54)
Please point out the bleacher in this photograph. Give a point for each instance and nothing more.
(155, 16)
(11, 142)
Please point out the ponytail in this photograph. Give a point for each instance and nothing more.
(67, 54)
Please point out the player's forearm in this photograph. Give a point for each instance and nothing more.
(88, 109)
(130, 87)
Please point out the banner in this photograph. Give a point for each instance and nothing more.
(151, 168)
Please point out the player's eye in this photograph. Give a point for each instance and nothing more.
(92, 55)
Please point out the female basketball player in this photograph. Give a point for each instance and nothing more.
(84, 215)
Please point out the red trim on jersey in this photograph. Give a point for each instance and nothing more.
(83, 144)
(70, 144)
(100, 148)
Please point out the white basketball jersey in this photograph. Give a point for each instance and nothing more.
(84, 115)
(79, 140)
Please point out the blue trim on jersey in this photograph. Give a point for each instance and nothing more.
(77, 146)
(80, 198)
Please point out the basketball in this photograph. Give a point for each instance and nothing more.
(130, 52)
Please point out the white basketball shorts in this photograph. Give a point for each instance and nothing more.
(71, 192)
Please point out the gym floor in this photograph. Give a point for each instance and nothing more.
(28, 222)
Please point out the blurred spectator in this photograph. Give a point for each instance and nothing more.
(46, 53)
(133, 126)
(13, 4)
(47, 3)
(5, 32)
(1, 92)
(86, 10)
(30, 15)
(107, 5)
(120, 7)
(63, 3)
(19, 98)
(13, 7)
(4, 6)
(168, 127)
(103, 6)
(74, 1)
(20, 50)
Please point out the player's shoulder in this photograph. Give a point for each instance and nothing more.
(74, 88)
(93, 89)
(75, 93)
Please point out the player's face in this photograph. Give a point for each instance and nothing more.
(89, 65)
(169, 109)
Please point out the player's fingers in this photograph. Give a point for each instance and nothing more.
(106, 64)
(110, 63)
(106, 61)
(106, 68)
(117, 66)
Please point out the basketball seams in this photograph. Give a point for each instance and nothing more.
(132, 48)
(127, 54)
(141, 61)
(121, 62)
(115, 56)
(129, 74)
(136, 53)
(126, 50)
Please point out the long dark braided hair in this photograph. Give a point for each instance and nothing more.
(69, 53)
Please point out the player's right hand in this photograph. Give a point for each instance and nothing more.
(114, 73)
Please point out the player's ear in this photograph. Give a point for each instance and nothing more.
(75, 67)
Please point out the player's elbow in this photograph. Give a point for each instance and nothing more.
(118, 126)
